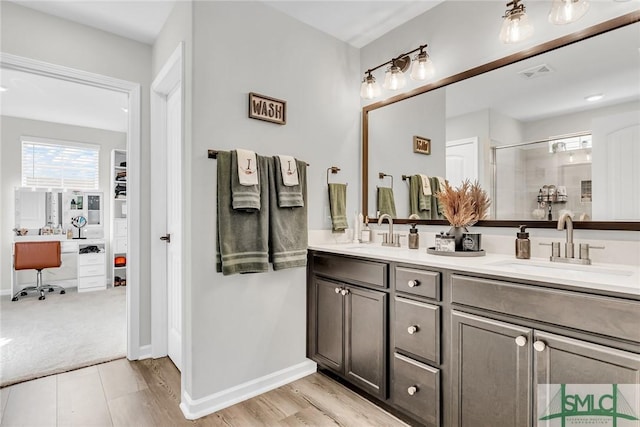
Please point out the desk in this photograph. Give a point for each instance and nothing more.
(86, 271)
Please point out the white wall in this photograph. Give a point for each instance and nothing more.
(247, 326)
(28, 33)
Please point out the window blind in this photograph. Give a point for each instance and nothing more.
(60, 164)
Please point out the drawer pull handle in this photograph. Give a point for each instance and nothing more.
(344, 292)
(521, 341)
(412, 390)
(337, 290)
(539, 345)
(413, 283)
(412, 329)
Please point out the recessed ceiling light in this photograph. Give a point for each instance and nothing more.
(126, 110)
(3, 89)
(595, 97)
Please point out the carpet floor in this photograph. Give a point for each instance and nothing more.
(61, 333)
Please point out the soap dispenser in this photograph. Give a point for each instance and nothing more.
(414, 237)
(523, 244)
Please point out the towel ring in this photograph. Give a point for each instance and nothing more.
(334, 170)
(382, 175)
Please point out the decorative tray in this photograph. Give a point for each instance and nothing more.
(433, 251)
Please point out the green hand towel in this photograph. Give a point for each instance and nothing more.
(386, 202)
(338, 206)
(242, 243)
(419, 204)
(288, 197)
(288, 226)
(245, 197)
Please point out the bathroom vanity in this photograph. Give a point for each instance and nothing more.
(467, 341)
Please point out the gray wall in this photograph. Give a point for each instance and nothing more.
(12, 128)
(28, 33)
(247, 326)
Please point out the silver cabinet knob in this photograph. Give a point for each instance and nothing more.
(412, 390)
(413, 283)
(337, 290)
(539, 345)
(344, 292)
(521, 341)
(412, 329)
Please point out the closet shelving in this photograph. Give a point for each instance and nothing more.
(119, 217)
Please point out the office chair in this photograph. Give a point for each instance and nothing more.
(37, 256)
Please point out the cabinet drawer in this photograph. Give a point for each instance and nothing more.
(91, 270)
(370, 272)
(417, 329)
(416, 389)
(598, 314)
(93, 283)
(91, 259)
(418, 282)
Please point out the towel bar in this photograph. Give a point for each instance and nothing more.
(213, 154)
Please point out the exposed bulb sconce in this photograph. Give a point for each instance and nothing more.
(394, 78)
(567, 11)
(516, 26)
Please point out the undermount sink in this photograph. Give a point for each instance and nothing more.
(586, 273)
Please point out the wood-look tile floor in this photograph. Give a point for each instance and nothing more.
(147, 393)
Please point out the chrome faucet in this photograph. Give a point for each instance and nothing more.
(566, 221)
(389, 239)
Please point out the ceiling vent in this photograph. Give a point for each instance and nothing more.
(535, 72)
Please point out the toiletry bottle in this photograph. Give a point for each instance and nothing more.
(414, 237)
(523, 244)
(365, 234)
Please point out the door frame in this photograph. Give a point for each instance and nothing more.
(169, 76)
(133, 90)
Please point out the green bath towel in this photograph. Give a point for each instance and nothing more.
(244, 197)
(288, 226)
(419, 204)
(436, 207)
(338, 206)
(386, 202)
(288, 197)
(242, 241)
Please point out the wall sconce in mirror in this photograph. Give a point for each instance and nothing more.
(394, 76)
(516, 26)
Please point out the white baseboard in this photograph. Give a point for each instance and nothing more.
(193, 409)
(144, 352)
(5, 292)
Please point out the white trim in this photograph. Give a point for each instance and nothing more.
(60, 72)
(144, 352)
(193, 409)
(6, 292)
(169, 76)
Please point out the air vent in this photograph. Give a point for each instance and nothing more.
(535, 72)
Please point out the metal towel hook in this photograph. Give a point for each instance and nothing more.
(334, 170)
(382, 175)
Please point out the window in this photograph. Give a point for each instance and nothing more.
(60, 164)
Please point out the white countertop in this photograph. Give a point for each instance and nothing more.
(613, 279)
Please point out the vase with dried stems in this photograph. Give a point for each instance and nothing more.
(463, 206)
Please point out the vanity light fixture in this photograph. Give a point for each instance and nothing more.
(516, 26)
(567, 11)
(394, 78)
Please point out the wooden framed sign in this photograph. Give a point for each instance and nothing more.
(268, 109)
(421, 145)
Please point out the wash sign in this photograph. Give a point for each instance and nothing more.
(268, 109)
(588, 405)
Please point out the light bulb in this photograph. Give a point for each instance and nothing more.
(567, 11)
(370, 88)
(516, 28)
(394, 78)
(422, 67)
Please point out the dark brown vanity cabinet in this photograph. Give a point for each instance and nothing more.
(498, 367)
(348, 329)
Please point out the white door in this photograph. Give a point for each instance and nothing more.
(461, 160)
(174, 224)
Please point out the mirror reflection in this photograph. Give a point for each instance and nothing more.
(524, 116)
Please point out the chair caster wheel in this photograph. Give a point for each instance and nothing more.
(23, 294)
(63, 292)
(41, 297)
(14, 299)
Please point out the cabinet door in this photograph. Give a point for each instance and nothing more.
(329, 324)
(366, 340)
(561, 360)
(491, 372)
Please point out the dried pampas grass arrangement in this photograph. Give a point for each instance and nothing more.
(465, 205)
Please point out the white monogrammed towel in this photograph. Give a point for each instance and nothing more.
(247, 167)
(289, 171)
(426, 185)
